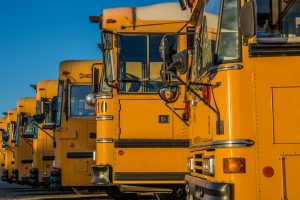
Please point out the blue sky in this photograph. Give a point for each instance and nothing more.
(35, 35)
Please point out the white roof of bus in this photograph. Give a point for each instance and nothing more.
(162, 11)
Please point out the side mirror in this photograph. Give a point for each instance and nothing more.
(22, 119)
(106, 41)
(181, 61)
(90, 99)
(95, 79)
(45, 106)
(39, 118)
(247, 20)
(182, 4)
(164, 50)
(169, 94)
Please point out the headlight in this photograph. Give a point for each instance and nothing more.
(94, 155)
(209, 166)
(191, 163)
(45, 173)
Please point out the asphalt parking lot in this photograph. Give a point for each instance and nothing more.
(15, 191)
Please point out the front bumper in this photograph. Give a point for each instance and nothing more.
(200, 189)
(101, 174)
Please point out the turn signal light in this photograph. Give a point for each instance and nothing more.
(187, 111)
(206, 94)
(234, 165)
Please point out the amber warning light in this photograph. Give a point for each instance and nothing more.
(234, 165)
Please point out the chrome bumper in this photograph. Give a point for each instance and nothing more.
(200, 189)
(101, 174)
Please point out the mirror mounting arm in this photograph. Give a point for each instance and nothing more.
(34, 123)
(187, 85)
(173, 110)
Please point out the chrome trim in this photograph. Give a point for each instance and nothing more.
(223, 144)
(216, 69)
(101, 174)
(105, 117)
(104, 96)
(104, 140)
(225, 68)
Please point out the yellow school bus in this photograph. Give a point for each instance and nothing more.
(75, 126)
(22, 140)
(43, 154)
(139, 138)
(9, 131)
(2, 149)
(244, 96)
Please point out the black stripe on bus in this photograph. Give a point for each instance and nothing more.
(80, 155)
(149, 176)
(152, 143)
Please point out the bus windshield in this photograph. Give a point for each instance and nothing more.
(139, 62)
(278, 18)
(78, 106)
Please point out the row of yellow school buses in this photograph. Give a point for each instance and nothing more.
(198, 99)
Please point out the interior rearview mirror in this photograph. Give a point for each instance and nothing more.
(169, 94)
(247, 20)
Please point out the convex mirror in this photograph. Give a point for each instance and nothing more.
(90, 99)
(169, 94)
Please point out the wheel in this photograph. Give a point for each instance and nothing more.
(55, 179)
(115, 193)
(55, 173)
